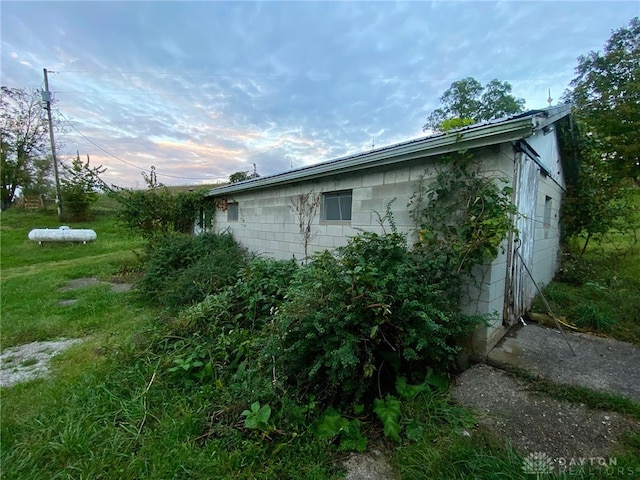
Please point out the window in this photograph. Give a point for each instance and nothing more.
(547, 212)
(337, 206)
(232, 212)
(547, 215)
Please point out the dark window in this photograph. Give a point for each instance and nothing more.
(232, 212)
(337, 206)
(547, 212)
(547, 216)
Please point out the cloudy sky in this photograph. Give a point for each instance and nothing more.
(204, 89)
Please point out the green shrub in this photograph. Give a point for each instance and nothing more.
(222, 337)
(157, 212)
(259, 291)
(185, 269)
(575, 270)
(462, 216)
(80, 185)
(373, 307)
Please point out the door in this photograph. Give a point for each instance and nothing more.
(520, 288)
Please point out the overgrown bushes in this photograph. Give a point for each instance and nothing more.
(184, 269)
(283, 343)
(157, 212)
(341, 327)
(361, 317)
(289, 349)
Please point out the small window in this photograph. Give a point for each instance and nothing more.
(547, 212)
(337, 206)
(232, 212)
(547, 215)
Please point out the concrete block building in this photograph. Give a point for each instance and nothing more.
(351, 192)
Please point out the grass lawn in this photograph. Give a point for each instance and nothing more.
(599, 292)
(110, 410)
(113, 410)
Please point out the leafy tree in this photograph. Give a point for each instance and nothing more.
(466, 101)
(242, 176)
(605, 139)
(41, 181)
(606, 94)
(238, 177)
(155, 213)
(596, 201)
(80, 185)
(23, 139)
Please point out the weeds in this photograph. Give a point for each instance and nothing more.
(599, 292)
(221, 385)
(185, 269)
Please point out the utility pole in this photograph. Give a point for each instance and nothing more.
(46, 97)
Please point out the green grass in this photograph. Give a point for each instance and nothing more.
(33, 277)
(599, 291)
(112, 409)
(19, 251)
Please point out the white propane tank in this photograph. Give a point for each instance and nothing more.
(62, 234)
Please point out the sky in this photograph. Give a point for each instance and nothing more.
(201, 90)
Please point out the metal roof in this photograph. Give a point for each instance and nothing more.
(492, 132)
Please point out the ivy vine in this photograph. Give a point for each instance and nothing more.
(462, 216)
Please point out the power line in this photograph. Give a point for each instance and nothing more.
(117, 157)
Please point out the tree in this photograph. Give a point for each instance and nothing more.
(156, 212)
(466, 101)
(305, 207)
(23, 138)
(606, 95)
(242, 176)
(80, 185)
(41, 180)
(238, 177)
(595, 203)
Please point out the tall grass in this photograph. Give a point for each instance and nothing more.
(599, 291)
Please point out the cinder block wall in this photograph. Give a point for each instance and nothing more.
(547, 247)
(268, 225)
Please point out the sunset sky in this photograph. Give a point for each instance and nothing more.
(204, 89)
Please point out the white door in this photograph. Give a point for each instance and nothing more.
(520, 288)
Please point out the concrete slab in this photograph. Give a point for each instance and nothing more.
(534, 423)
(601, 364)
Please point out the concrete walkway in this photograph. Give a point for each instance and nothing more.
(600, 364)
(535, 424)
